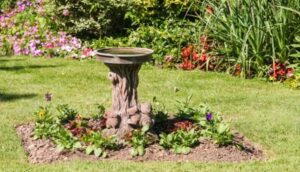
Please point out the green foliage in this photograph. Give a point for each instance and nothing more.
(90, 18)
(5, 4)
(47, 127)
(180, 141)
(100, 113)
(66, 113)
(97, 144)
(64, 139)
(159, 111)
(45, 124)
(165, 38)
(253, 34)
(293, 82)
(139, 141)
(211, 123)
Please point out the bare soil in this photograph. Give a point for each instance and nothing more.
(44, 151)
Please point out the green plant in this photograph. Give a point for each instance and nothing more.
(252, 34)
(139, 141)
(180, 141)
(212, 126)
(45, 124)
(186, 111)
(66, 113)
(91, 19)
(97, 144)
(165, 38)
(211, 123)
(100, 113)
(65, 140)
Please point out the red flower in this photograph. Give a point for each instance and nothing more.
(204, 57)
(289, 72)
(195, 56)
(209, 10)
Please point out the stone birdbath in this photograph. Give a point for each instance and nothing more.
(126, 112)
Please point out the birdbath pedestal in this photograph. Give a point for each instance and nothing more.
(126, 113)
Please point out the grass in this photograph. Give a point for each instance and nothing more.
(268, 114)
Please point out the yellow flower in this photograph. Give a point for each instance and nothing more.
(42, 114)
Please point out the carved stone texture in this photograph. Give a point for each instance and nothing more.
(126, 113)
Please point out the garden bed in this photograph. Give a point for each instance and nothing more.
(44, 151)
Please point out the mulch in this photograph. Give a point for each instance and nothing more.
(44, 151)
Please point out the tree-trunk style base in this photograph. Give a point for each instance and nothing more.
(126, 113)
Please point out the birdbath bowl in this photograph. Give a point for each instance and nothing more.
(126, 113)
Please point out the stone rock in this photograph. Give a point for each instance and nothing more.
(146, 108)
(134, 119)
(112, 122)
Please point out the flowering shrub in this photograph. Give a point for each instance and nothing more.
(280, 71)
(90, 18)
(26, 29)
(199, 57)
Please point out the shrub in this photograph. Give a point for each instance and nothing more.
(252, 34)
(90, 18)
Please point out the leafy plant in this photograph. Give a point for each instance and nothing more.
(66, 113)
(252, 34)
(89, 18)
(211, 123)
(186, 111)
(45, 124)
(213, 127)
(139, 141)
(180, 141)
(97, 144)
(47, 127)
(100, 113)
(65, 140)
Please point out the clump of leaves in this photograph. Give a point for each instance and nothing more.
(97, 144)
(45, 124)
(160, 115)
(66, 113)
(211, 123)
(139, 140)
(65, 140)
(78, 127)
(180, 141)
(100, 113)
(186, 111)
(213, 127)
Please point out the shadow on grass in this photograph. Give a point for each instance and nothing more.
(6, 97)
(17, 68)
(2, 59)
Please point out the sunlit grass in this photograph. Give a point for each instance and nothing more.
(268, 114)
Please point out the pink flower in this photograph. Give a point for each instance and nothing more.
(66, 12)
(87, 52)
(26, 51)
(17, 49)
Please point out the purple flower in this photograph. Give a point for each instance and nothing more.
(26, 51)
(22, 8)
(17, 49)
(18, 3)
(37, 52)
(48, 96)
(209, 116)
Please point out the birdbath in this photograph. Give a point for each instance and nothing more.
(126, 113)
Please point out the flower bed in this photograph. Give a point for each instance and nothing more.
(192, 134)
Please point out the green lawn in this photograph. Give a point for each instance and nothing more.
(268, 114)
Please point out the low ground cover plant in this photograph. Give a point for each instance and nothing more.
(180, 133)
